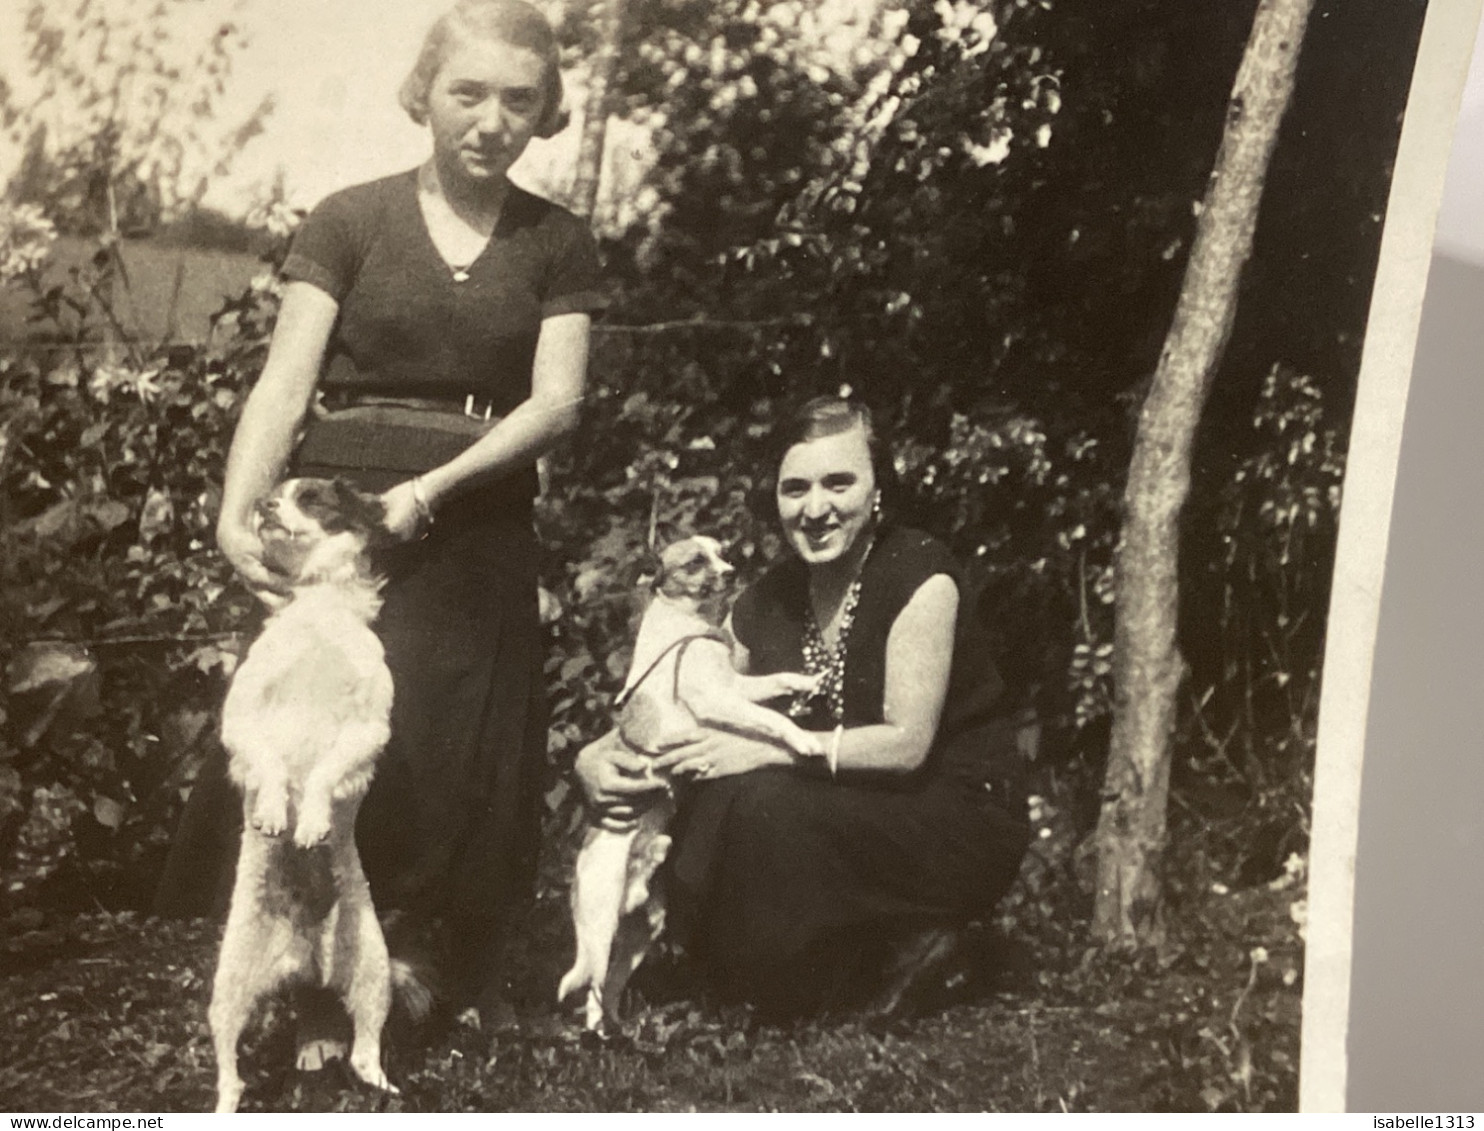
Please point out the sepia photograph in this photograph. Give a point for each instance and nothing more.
(852, 639)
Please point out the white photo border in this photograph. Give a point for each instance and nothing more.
(1439, 73)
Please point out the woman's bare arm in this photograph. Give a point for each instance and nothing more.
(558, 378)
(270, 420)
(919, 659)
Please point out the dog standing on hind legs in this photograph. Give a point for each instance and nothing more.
(307, 715)
(681, 677)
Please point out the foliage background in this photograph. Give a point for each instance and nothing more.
(976, 218)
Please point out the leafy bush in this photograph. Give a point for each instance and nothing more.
(120, 619)
(1248, 771)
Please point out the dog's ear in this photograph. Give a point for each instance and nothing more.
(651, 570)
(362, 512)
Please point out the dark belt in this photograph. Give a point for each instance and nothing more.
(471, 405)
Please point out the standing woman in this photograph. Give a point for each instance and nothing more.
(442, 317)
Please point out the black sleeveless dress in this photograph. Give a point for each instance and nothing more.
(777, 874)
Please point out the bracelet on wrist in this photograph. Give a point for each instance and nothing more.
(833, 757)
(420, 500)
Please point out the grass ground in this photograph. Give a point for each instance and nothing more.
(107, 1012)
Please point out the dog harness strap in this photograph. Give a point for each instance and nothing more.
(682, 644)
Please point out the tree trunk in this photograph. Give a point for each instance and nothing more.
(595, 114)
(1147, 667)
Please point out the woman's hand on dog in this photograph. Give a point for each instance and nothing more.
(619, 784)
(241, 547)
(406, 519)
(706, 753)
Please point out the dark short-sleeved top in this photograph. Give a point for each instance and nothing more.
(974, 742)
(406, 327)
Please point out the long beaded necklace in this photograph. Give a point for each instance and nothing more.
(826, 662)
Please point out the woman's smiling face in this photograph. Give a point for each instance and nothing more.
(484, 106)
(826, 492)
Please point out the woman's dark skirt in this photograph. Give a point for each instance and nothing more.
(780, 883)
(450, 830)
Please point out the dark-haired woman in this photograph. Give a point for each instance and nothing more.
(442, 317)
(795, 881)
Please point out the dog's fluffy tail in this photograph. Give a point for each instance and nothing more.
(412, 990)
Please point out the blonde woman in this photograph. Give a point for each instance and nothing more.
(432, 345)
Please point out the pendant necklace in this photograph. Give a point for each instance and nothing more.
(460, 271)
(428, 184)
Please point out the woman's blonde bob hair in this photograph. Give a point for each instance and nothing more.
(503, 21)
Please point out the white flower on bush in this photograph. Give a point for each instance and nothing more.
(1298, 911)
(1293, 872)
(993, 153)
(110, 379)
(26, 238)
(267, 283)
(276, 216)
(966, 24)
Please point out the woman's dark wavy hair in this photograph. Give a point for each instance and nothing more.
(823, 416)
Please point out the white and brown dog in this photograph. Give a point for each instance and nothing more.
(307, 715)
(681, 676)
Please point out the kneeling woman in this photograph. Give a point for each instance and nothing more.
(787, 874)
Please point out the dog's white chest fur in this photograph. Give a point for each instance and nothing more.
(314, 686)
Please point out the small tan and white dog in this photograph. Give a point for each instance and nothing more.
(307, 715)
(681, 676)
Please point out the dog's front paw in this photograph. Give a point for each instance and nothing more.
(270, 816)
(313, 826)
(792, 683)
